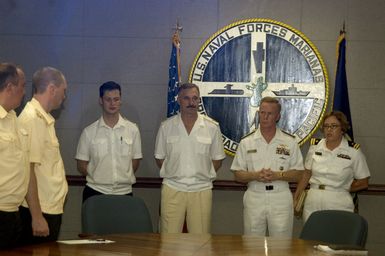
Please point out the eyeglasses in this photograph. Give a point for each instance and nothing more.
(331, 126)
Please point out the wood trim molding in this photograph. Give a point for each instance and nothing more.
(229, 185)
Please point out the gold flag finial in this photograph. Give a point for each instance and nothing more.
(178, 28)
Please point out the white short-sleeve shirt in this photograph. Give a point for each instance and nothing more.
(281, 154)
(336, 168)
(188, 158)
(109, 152)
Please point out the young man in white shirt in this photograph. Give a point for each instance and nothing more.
(109, 150)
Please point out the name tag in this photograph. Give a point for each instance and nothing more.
(344, 156)
(318, 153)
(252, 151)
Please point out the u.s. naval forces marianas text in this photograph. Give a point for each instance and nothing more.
(254, 58)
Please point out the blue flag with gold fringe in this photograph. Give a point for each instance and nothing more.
(341, 95)
(174, 77)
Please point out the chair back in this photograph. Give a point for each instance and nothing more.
(336, 227)
(114, 214)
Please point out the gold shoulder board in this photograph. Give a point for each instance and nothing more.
(353, 144)
(314, 141)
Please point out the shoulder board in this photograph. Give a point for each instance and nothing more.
(135, 124)
(128, 121)
(353, 144)
(210, 119)
(314, 141)
(285, 132)
(38, 114)
(248, 134)
(168, 119)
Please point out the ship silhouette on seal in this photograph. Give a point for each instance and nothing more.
(291, 91)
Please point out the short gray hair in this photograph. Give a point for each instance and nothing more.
(187, 86)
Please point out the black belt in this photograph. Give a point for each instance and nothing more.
(269, 187)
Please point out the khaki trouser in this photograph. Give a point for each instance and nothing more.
(178, 205)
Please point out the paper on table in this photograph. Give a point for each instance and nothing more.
(341, 250)
(86, 241)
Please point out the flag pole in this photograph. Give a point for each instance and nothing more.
(176, 41)
(174, 73)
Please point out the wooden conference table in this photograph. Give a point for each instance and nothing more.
(174, 244)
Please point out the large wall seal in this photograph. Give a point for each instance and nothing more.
(254, 58)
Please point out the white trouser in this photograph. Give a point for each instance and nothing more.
(317, 200)
(270, 210)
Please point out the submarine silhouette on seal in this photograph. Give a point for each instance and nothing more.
(227, 90)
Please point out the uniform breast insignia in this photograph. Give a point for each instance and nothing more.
(344, 156)
(314, 141)
(282, 150)
(251, 151)
(353, 144)
(317, 153)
